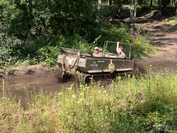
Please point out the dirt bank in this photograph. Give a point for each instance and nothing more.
(163, 35)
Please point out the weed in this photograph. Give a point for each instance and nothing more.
(131, 105)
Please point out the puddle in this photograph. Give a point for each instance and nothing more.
(23, 87)
(160, 67)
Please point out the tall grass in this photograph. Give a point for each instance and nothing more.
(130, 105)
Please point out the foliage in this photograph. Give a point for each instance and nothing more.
(133, 105)
(33, 31)
(36, 18)
(116, 34)
(32, 26)
(141, 48)
(42, 49)
(9, 46)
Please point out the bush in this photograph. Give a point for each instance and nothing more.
(43, 49)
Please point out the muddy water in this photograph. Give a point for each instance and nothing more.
(160, 67)
(22, 87)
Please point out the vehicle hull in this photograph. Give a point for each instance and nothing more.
(91, 65)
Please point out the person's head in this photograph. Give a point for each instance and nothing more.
(96, 50)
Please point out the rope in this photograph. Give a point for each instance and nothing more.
(111, 67)
(63, 63)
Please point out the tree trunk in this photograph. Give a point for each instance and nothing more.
(110, 3)
(160, 7)
(151, 4)
(135, 9)
(132, 11)
(99, 6)
(176, 6)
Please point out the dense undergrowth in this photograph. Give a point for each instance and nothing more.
(148, 104)
(15, 51)
(31, 34)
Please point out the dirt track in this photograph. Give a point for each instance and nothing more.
(36, 78)
(163, 35)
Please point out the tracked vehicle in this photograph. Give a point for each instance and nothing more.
(109, 65)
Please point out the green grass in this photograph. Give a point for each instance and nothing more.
(130, 105)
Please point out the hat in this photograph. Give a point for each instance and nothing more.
(96, 48)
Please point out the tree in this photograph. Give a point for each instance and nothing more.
(132, 11)
(160, 6)
(36, 18)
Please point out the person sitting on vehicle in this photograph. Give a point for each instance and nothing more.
(120, 52)
(97, 52)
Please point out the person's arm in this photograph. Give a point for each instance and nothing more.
(117, 48)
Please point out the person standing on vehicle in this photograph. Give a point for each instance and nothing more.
(119, 50)
(97, 52)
